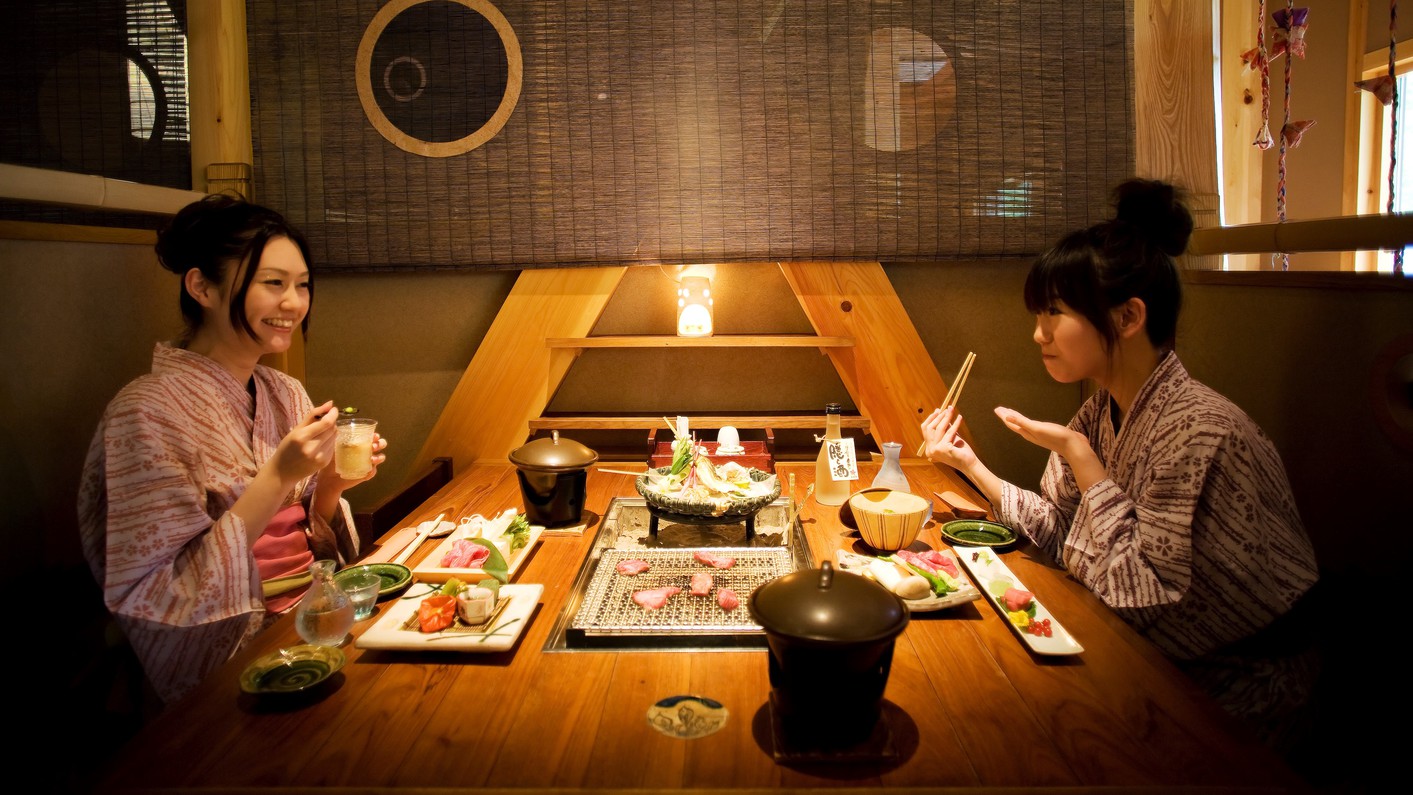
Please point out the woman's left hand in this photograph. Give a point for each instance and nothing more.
(1052, 436)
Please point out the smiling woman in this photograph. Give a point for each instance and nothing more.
(213, 473)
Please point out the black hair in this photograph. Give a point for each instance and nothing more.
(221, 231)
(1128, 256)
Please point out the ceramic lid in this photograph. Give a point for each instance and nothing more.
(827, 606)
(553, 454)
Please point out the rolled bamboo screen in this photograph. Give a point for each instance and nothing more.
(687, 131)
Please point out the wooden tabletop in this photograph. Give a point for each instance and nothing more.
(968, 704)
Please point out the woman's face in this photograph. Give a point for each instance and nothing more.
(1070, 346)
(275, 304)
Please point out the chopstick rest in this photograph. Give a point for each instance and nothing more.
(961, 507)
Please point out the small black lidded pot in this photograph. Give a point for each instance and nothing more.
(553, 475)
(831, 636)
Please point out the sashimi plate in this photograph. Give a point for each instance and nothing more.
(858, 564)
(985, 568)
(431, 570)
(397, 628)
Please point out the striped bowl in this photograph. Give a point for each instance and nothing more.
(888, 520)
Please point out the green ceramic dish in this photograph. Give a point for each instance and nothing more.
(978, 533)
(395, 576)
(291, 670)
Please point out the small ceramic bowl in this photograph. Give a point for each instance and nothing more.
(978, 533)
(395, 576)
(888, 520)
(291, 670)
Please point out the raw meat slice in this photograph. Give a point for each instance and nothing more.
(701, 584)
(655, 598)
(632, 568)
(727, 599)
(917, 560)
(941, 561)
(1017, 599)
(465, 554)
(715, 561)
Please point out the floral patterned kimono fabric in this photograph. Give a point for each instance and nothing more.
(173, 452)
(1194, 538)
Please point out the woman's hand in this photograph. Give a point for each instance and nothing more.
(307, 448)
(1073, 446)
(943, 443)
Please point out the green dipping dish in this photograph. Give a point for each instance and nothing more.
(978, 533)
(291, 670)
(395, 576)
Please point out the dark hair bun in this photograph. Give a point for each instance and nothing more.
(1156, 209)
(188, 238)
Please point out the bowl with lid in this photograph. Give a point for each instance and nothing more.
(553, 475)
(830, 635)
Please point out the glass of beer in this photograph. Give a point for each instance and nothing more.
(353, 451)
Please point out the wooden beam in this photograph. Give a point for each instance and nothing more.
(513, 374)
(888, 373)
(1390, 230)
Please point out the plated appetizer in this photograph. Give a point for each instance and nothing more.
(694, 485)
(1024, 614)
(925, 581)
(481, 548)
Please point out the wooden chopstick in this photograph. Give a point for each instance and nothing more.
(955, 393)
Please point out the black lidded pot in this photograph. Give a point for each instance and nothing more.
(831, 636)
(553, 474)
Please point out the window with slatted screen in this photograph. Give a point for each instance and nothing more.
(95, 87)
(687, 130)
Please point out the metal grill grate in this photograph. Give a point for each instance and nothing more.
(608, 605)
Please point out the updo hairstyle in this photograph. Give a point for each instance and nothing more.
(217, 232)
(1129, 256)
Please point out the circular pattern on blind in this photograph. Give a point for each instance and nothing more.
(438, 78)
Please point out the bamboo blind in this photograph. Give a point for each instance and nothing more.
(694, 130)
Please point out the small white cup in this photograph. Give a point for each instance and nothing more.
(728, 440)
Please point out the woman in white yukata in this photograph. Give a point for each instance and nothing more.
(1160, 495)
(210, 480)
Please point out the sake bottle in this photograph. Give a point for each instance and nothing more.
(827, 490)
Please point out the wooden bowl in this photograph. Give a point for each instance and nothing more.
(888, 520)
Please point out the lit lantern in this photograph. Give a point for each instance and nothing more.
(694, 306)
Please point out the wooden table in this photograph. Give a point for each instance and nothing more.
(970, 706)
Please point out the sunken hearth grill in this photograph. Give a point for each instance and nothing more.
(601, 613)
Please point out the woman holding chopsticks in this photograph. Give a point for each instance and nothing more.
(1160, 495)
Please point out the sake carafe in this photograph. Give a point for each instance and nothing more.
(827, 490)
(890, 475)
(324, 615)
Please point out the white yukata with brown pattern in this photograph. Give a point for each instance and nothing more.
(1194, 538)
(173, 452)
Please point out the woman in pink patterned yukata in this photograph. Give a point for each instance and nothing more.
(214, 473)
(1160, 495)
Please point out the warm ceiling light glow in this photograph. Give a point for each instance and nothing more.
(694, 307)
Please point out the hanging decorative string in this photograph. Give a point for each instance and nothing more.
(1291, 24)
(1393, 127)
(1256, 59)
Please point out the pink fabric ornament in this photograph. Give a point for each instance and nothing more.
(1292, 132)
(1381, 87)
(1253, 60)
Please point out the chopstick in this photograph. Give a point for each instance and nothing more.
(618, 471)
(955, 393)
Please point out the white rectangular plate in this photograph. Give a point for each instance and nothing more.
(388, 633)
(429, 569)
(988, 567)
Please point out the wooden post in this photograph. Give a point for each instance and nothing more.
(1175, 122)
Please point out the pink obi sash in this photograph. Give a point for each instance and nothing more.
(283, 550)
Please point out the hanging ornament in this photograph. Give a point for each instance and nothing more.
(1381, 87)
(1393, 119)
(1292, 131)
(1291, 24)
